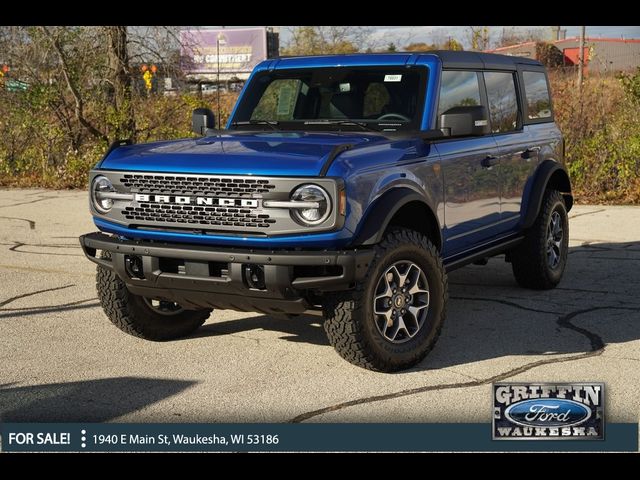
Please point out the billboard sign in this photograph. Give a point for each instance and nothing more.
(232, 51)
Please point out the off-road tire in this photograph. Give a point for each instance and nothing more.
(131, 314)
(529, 260)
(350, 321)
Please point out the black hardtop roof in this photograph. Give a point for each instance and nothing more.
(488, 61)
(449, 58)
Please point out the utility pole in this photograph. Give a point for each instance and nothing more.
(581, 59)
(219, 38)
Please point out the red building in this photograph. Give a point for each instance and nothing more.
(601, 55)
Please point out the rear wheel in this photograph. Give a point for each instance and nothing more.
(143, 317)
(393, 317)
(539, 261)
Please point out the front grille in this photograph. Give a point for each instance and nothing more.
(217, 203)
(190, 214)
(194, 185)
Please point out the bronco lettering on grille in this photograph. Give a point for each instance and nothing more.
(186, 200)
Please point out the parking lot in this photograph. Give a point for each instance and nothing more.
(62, 360)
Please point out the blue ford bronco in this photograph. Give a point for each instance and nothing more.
(345, 186)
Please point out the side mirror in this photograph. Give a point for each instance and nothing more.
(465, 121)
(202, 119)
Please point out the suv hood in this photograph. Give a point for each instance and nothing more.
(239, 153)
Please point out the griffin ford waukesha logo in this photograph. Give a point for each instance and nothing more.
(204, 201)
(545, 411)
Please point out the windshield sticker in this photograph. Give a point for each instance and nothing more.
(393, 78)
(284, 100)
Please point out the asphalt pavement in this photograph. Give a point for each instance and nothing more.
(62, 360)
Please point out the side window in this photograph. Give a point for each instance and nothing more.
(278, 101)
(537, 94)
(458, 88)
(503, 103)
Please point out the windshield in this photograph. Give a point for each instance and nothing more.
(336, 98)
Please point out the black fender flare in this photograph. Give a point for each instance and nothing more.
(535, 193)
(379, 215)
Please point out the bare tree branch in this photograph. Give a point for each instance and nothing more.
(79, 104)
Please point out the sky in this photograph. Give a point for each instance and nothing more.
(402, 35)
(425, 33)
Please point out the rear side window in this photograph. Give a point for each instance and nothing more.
(536, 92)
(503, 103)
(458, 88)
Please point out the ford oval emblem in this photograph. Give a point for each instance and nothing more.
(548, 412)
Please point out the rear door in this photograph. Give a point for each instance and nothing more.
(470, 169)
(544, 136)
(517, 152)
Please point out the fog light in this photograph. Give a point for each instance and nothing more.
(254, 275)
(133, 266)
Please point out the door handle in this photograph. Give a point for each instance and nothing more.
(489, 161)
(530, 151)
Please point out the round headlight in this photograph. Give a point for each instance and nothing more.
(100, 186)
(315, 194)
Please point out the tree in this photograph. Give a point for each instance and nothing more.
(72, 93)
(549, 55)
(449, 43)
(310, 40)
(112, 69)
(452, 44)
(392, 47)
(420, 47)
(511, 36)
(120, 81)
(61, 39)
(479, 37)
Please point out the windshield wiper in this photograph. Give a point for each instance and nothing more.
(362, 125)
(272, 123)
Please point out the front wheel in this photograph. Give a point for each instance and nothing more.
(142, 317)
(393, 317)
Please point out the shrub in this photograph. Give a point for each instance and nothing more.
(34, 151)
(601, 127)
(549, 55)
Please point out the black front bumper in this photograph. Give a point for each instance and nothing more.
(204, 277)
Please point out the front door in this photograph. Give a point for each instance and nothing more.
(472, 191)
(471, 171)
